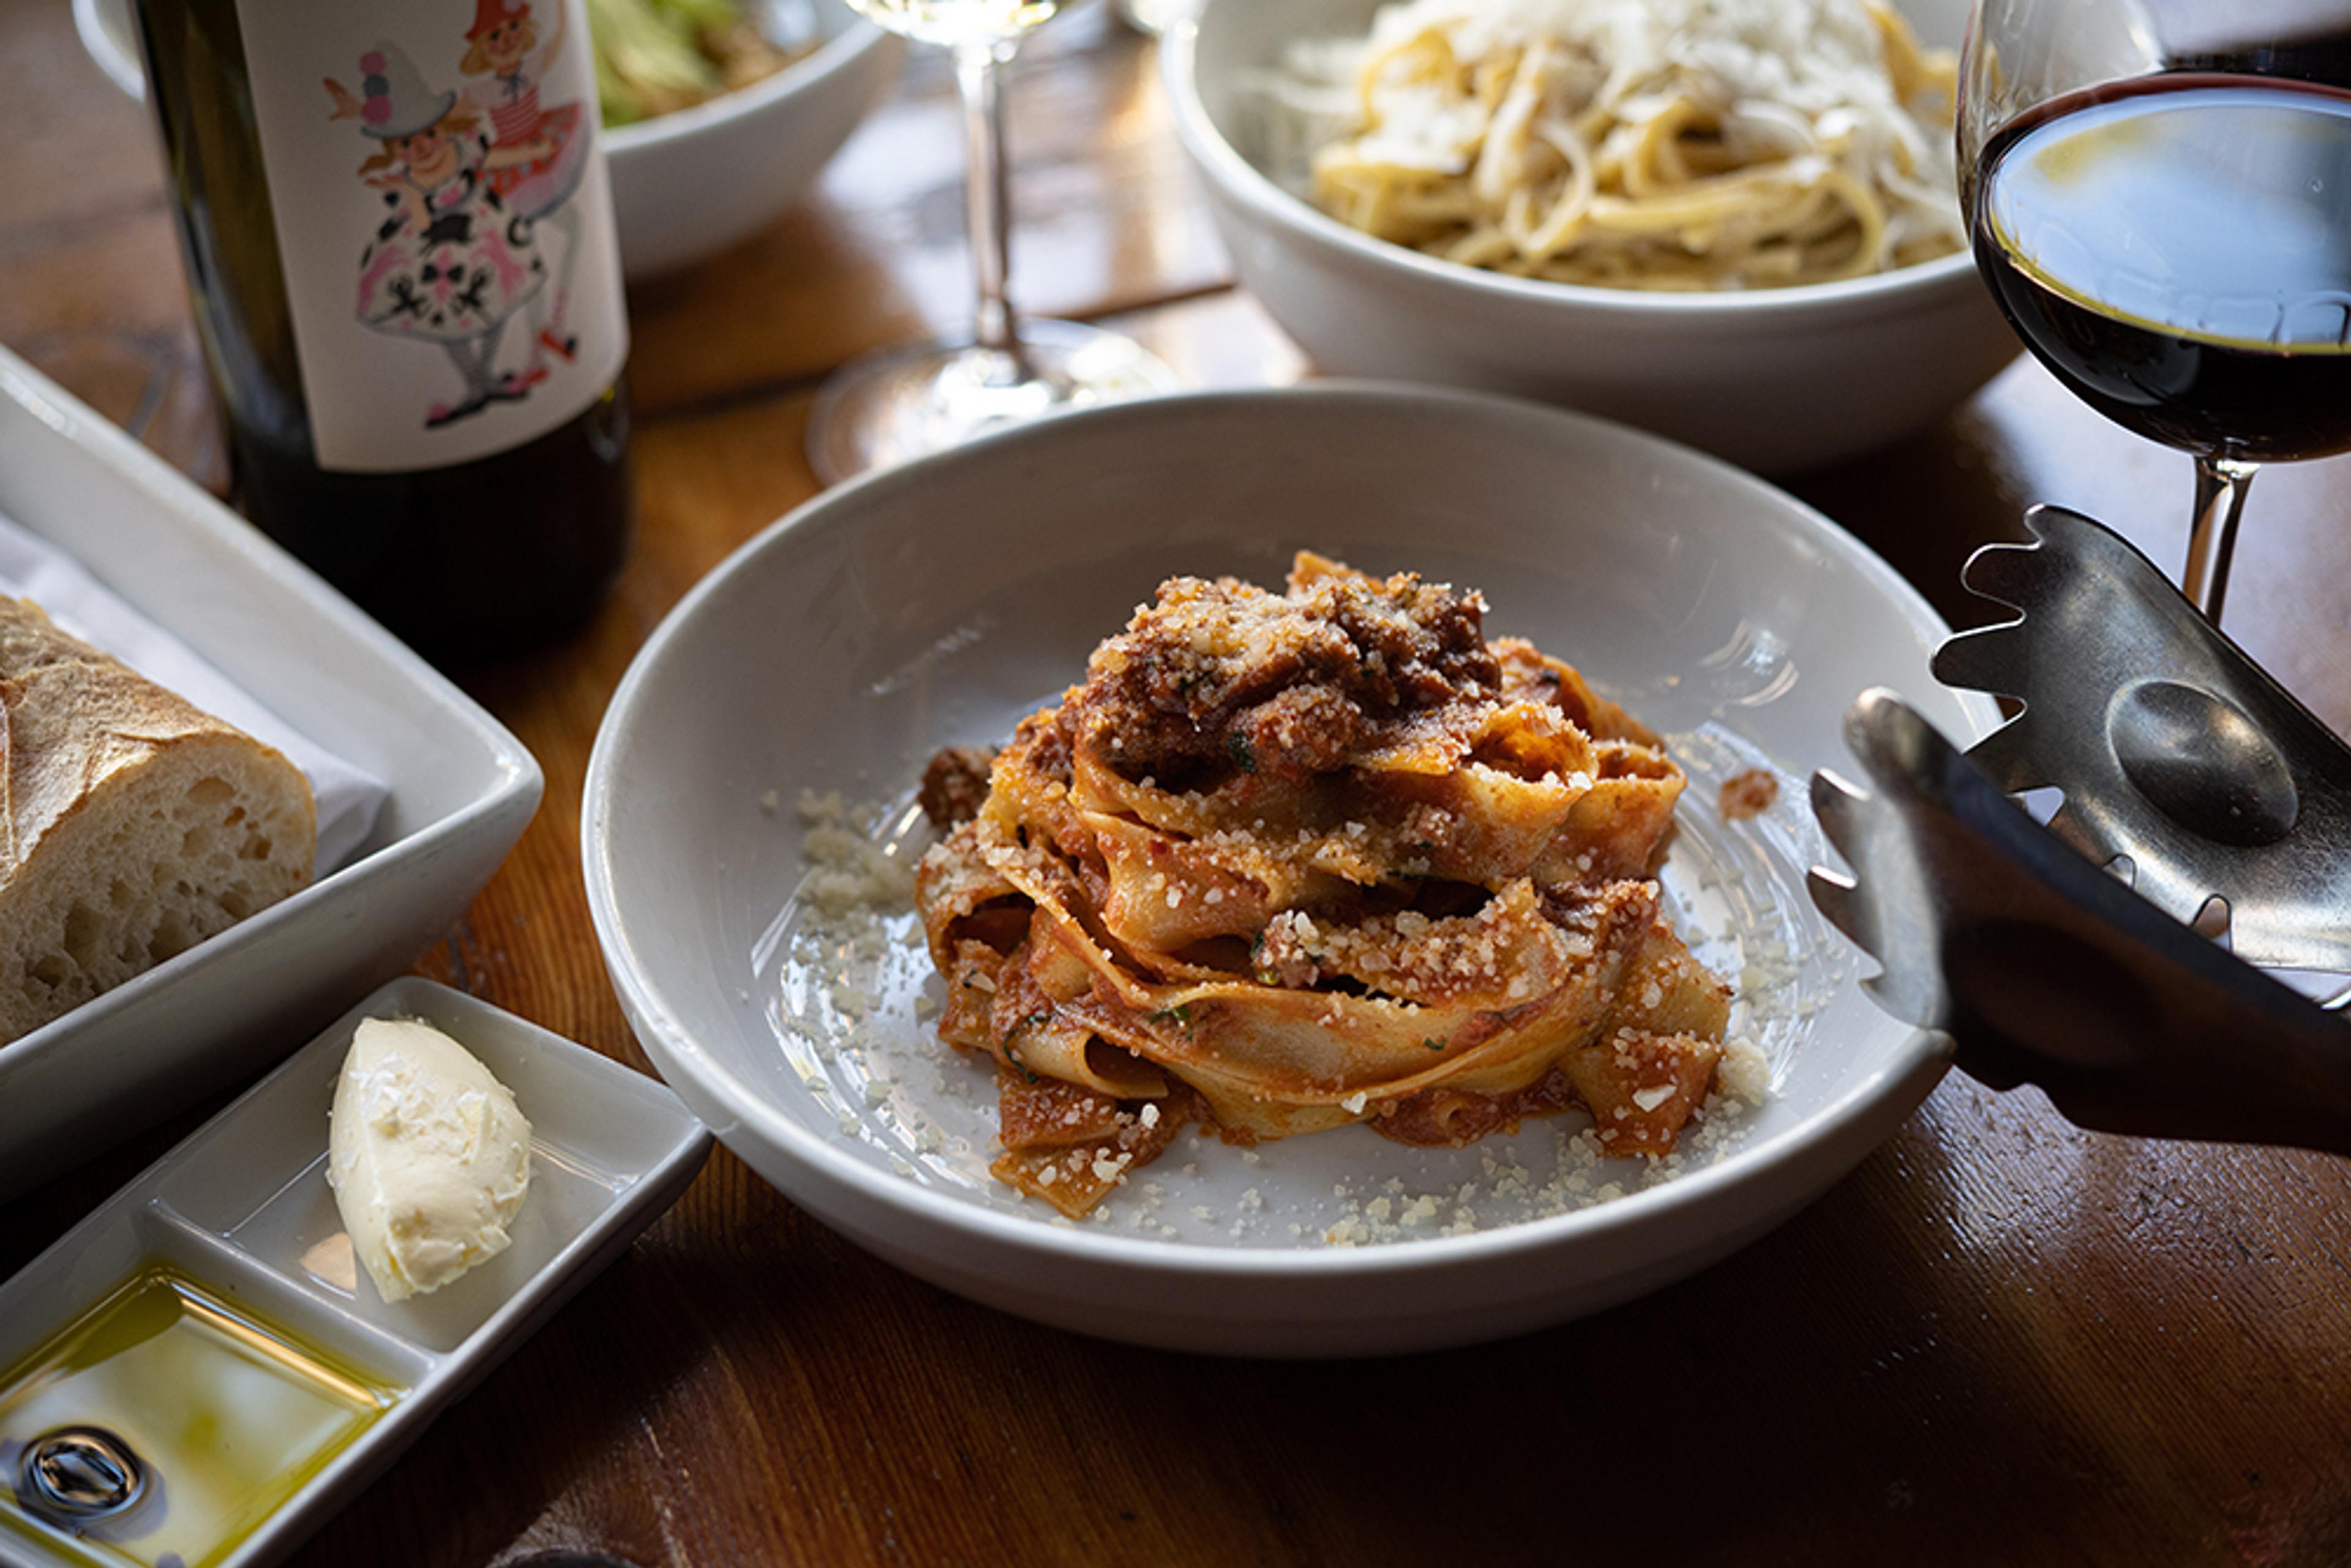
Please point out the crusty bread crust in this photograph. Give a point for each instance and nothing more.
(132, 824)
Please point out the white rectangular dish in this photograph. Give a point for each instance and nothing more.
(240, 1209)
(462, 790)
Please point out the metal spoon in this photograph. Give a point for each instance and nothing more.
(2175, 751)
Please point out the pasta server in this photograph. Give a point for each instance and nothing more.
(2186, 770)
(2044, 969)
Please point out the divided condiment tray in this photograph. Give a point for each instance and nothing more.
(237, 1229)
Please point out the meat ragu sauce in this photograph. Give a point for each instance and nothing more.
(1223, 676)
(1287, 862)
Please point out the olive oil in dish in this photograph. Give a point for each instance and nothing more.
(179, 1422)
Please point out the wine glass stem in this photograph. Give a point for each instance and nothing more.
(978, 73)
(2220, 486)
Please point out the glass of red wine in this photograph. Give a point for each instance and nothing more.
(2159, 194)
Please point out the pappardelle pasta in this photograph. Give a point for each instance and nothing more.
(1657, 144)
(1287, 862)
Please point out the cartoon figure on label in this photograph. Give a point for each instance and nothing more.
(503, 44)
(450, 262)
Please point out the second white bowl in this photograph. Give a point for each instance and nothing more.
(688, 184)
(1775, 380)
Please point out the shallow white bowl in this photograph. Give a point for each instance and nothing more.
(684, 186)
(687, 185)
(933, 604)
(462, 790)
(1776, 380)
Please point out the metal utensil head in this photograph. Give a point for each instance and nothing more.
(2043, 968)
(76, 1474)
(2175, 751)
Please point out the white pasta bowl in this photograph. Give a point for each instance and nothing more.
(687, 185)
(934, 605)
(684, 186)
(1775, 380)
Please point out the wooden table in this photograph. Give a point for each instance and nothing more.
(2001, 1340)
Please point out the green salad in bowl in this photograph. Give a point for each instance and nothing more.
(653, 56)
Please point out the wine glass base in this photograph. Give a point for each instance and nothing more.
(908, 402)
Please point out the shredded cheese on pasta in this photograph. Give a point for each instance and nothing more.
(1287, 862)
(1658, 144)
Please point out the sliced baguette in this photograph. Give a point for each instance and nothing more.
(132, 824)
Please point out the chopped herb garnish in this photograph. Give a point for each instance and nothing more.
(1434, 1044)
(1179, 1015)
(1021, 1026)
(1243, 758)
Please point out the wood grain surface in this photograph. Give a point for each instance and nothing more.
(2001, 1340)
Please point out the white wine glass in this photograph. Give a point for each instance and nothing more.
(1155, 16)
(905, 403)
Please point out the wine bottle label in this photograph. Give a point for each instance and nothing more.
(445, 218)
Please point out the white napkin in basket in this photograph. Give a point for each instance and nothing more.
(31, 568)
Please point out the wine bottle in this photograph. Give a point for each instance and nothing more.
(399, 237)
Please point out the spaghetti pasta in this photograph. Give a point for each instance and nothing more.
(1655, 144)
(1285, 862)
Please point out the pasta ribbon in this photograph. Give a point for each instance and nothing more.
(1288, 862)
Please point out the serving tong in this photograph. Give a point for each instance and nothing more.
(2175, 752)
(2069, 955)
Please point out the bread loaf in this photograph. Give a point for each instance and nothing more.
(132, 824)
